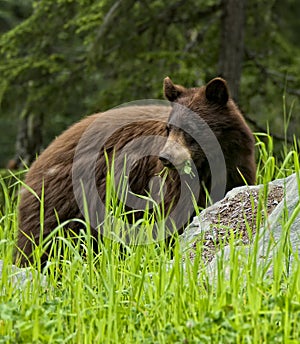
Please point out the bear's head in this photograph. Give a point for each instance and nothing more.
(198, 117)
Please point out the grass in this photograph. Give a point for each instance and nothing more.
(145, 297)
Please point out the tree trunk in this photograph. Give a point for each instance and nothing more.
(29, 138)
(232, 43)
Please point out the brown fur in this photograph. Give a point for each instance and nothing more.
(12, 164)
(52, 171)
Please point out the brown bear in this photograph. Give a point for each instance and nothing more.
(201, 138)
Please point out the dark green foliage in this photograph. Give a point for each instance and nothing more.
(73, 57)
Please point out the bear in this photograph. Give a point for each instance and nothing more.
(199, 138)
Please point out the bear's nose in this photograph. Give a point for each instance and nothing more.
(165, 159)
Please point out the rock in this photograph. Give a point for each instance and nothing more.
(282, 229)
(236, 214)
(20, 277)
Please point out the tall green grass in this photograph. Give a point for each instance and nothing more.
(144, 296)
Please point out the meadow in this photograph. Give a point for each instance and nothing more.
(150, 294)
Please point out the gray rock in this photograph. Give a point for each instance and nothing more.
(20, 277)
(281, 228)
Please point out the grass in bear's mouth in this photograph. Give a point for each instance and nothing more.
(184, 168)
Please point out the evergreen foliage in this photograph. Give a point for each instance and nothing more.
(73, 57)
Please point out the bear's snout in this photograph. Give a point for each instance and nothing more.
(174, 155)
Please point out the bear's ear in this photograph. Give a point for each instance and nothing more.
(171, 91)
(217, 91)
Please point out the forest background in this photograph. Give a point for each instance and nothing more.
(63, 59)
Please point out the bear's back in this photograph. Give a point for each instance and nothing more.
(50, 179)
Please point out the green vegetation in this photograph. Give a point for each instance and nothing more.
(63, 59)
(143, 297)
